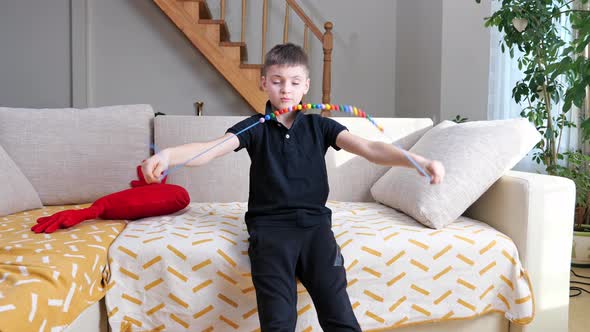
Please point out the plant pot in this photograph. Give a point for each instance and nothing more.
(581, 247)
(579, 215)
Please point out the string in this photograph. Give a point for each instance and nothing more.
(174, 168)
(344, 108)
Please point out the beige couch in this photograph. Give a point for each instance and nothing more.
(534, 210)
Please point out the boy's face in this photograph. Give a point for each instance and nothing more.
(285, 85)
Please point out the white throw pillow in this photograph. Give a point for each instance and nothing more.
(16, 192)
(74, 156)
(475, 155)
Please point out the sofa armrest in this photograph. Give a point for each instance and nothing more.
(536, 211)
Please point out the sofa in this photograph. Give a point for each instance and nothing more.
(532, 211)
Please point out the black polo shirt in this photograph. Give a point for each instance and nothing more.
(288, 178)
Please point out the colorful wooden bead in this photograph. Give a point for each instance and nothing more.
(330, 107)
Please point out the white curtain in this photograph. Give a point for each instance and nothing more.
(504, 74)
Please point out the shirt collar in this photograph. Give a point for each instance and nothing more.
(268, 110)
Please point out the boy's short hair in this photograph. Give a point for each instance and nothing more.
(285, 55)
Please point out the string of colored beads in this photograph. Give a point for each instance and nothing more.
(329, 107)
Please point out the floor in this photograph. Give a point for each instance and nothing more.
(580, 305)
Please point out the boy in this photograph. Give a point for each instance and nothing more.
(288, 222)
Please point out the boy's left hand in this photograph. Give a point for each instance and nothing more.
(436, 170)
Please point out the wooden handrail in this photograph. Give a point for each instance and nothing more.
(306, 19)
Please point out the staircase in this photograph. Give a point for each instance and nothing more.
(212, 38)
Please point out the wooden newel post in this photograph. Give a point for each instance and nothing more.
(328, 44)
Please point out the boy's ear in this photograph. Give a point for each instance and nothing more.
(307, 83)
(263, 82)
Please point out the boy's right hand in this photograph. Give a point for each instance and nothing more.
(153, 168)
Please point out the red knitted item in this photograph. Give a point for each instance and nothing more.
(141, 201)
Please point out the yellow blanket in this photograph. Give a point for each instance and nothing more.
(47, 280)
(190, 271)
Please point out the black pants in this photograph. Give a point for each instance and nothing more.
(280, 252)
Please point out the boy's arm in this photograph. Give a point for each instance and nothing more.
(154, 166)
(182, 153)
(387, 154)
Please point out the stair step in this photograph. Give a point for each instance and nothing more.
(253, 75)
(204, 12)
(251, 65)
(192, 8)
(231, 54)
(252, 72)
(241, 45)
(223, 26)
(212, 32)
(198, 9)
(208, 36)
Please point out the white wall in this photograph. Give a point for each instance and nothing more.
(405, 58)
(465, 59)
(137, 55)
(363, 71)
(418, 58)
(442, 59)
(35, 50)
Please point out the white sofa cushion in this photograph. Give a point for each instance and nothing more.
(74, 156)
(16, 192)
(475, 155)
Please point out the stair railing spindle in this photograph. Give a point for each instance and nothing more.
(264, 26)
(243, 35)
(286, 27)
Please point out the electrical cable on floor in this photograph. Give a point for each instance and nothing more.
(576, 289)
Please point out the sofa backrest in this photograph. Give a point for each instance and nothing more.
(74, 156)
(226, 179)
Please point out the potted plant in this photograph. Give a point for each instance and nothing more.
(459, 119)
(578, 170)
(555, 72)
